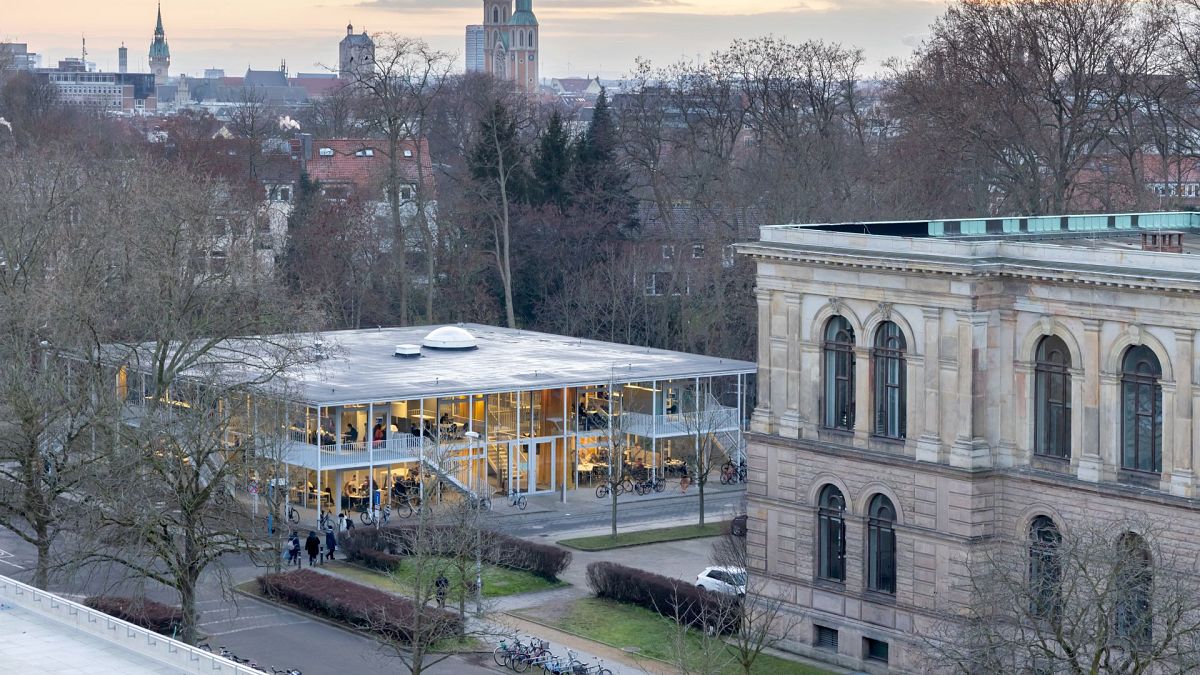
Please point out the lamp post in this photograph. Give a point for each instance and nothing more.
(472, 436)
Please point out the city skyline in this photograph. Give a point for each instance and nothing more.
(587, 38)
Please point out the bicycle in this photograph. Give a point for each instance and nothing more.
(368, 516)
(326, 520)
(596, 668)
(731, 473)
(285, 671)
(518, 500)
(648, 485)
(504, 651)
(520, 660)
(293, 516)
(479, 503)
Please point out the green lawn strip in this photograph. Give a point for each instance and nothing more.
(497, 581)
(651, 635)
(605, 542)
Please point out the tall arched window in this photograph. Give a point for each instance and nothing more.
(495, 15)
(521, 38)
(831, 534)
(889, 381)
(1045, 569)
(881, 545)
(1133, 575)
(1052, 398)
(1141, 411)
(839, 374)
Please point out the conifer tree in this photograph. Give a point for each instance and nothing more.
(552, 164)
(601, 185)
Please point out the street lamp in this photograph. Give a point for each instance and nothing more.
(473, 436)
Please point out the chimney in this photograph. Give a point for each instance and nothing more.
(305, 151)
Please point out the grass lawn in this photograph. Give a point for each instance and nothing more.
(605, 542)
(497, 581)
(626, 626)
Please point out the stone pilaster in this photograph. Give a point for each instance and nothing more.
(929, 442)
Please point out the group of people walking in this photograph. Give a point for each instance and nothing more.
(312, 546)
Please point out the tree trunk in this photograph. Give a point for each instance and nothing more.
(700, 485)
(41, 574)
(187, 605)
(401, 242)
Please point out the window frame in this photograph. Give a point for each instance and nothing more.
(889, 382)
(1136, 386)
(838, 375)
(831, 534)
(1045, 568)
(1047, 374)
(1139, 591)
(881, 545)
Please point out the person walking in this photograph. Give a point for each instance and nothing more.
(313, 545)
(293, 549)
(341, 521)
(330, 543)
(443, 586)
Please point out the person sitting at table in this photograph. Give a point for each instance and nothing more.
(351, 434)
(444, 419)
(377, 435)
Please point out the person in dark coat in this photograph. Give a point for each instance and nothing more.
(330, 543)
(442, 584)
(313, 546)
(294, 549)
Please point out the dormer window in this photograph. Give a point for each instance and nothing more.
(325, 152)
(365, 152)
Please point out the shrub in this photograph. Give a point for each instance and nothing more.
(371, 548)
(672, 598)
(155, 616)
(360, 606)
(502, 550)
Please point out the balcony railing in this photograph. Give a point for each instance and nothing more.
(710, 420)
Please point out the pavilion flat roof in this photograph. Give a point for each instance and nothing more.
(361, 366)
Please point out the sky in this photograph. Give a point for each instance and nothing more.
(579, 37)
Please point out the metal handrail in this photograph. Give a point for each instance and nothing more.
(54, 605)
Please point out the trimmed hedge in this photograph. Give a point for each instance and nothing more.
(360, 606)
(148, 614)
(677, 600)
(370, 548)
(502, 550)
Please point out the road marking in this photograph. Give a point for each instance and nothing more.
(5, 554)
(264, 626)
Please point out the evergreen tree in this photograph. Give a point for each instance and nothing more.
(601, 184)
(552, 165)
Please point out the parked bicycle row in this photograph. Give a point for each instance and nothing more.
(249, 663)
(519, 656)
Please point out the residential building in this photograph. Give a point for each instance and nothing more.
(487, 410)
(577, 87)
(356, 55)
(160, 52)
(512, 42)
(927, 388)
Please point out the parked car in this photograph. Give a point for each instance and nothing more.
(728, 580)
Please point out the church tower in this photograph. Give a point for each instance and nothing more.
(523, 41)
(356, 55)
(160, 52)
(496, 14)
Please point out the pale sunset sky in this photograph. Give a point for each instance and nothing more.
(579, 37)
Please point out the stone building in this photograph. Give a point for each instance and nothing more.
(356, 55)
(510, 43)
(160, 52)
(928, 387)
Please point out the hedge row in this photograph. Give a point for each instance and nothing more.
(360, 606)
(384, 548)
(148, 614)
(672, 598)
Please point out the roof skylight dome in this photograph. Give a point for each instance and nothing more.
(449, 337)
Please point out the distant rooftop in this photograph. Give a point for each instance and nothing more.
(1094, 224)
(362, 366)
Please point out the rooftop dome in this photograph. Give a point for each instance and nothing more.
(449, 337)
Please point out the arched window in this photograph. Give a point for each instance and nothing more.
(881, 545)
(1052, 398)
(839, 374)
(1141, 411)
(889, 381)
(831, 534)
(495, 15)
(1133, 576)
(1045, 569)
(521, 38)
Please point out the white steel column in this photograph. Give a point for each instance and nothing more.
(371, 461)
(741, 407)
(421, 464)
(516, 461)
(319, 493)
(563, 489)
(653, 428)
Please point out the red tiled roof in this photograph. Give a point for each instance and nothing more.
(350, 164)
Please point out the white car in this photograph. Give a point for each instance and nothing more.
(728, 580)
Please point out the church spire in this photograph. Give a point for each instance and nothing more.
(158, 29)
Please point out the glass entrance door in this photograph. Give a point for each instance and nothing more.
(519, 467)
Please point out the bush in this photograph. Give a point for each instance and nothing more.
(502, 550)
(360, 606)
(370, 547)
(672, 598)
(155, 616)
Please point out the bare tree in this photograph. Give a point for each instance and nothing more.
(1096, 597)
(703, 423)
